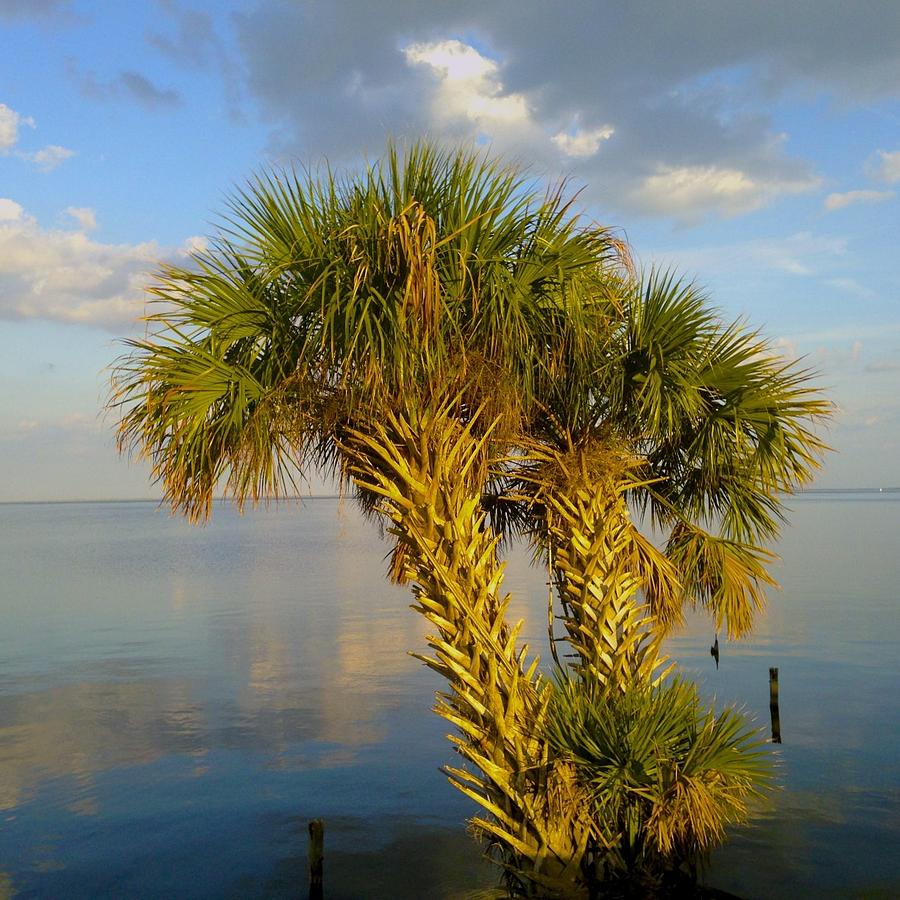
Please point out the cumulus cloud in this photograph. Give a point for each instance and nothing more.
(469, 99)
(695, 111)
(582, 142)
(10, 211)
(689, 192)
(46, 159)
(469, 86)
(63, 275)
(839, 201)
(10, 121)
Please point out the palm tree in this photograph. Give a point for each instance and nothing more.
(480, 362)
(436, 285)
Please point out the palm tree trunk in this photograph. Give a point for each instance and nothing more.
(426, 471)
(607, 624)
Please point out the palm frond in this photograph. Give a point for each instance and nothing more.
(668, 775)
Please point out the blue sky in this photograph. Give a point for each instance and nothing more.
(753, 146)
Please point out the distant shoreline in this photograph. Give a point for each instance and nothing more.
(849, 490)
(302, 499)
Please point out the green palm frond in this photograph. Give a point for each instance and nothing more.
(667, 774)
(724, 576)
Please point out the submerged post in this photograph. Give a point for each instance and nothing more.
(316, 858)
(773, 705)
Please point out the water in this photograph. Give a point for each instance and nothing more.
(176, 703)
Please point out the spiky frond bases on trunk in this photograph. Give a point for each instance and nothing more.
(607, 624)
(425, 469)
(572, 493)
(575, 496)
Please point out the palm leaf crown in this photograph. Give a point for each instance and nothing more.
(321, 293)
(324, 298)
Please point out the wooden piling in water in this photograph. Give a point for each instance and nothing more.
(316, 859)
(773, 705)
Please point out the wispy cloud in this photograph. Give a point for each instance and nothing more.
(839, 201)
(49, 157)
(83, 215)
(33, 9)
(127, 85)
(887, 166)
(801, 254)
(884, 365)
(191, 38)
(851, 286)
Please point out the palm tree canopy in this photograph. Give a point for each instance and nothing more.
(324, 298)
(320, 294)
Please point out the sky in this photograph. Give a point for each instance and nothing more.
(754, 147)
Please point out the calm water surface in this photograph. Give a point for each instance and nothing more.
(176, 703)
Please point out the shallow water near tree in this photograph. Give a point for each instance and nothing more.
(176, 703)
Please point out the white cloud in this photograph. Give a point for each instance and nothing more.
(469, 86)
(582, 143)
(10, 121)
(84, 216)
(467, 97)
(839, 201)
(10, 211)
(194, 244)
(690, 192)
(49, 157)
(63, 275)
(46, 159)
(888, 166)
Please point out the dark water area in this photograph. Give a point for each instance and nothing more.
(176, 703)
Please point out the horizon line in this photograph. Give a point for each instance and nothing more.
(302, 497)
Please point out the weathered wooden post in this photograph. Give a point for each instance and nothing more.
(773, 706)
(316, 859)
